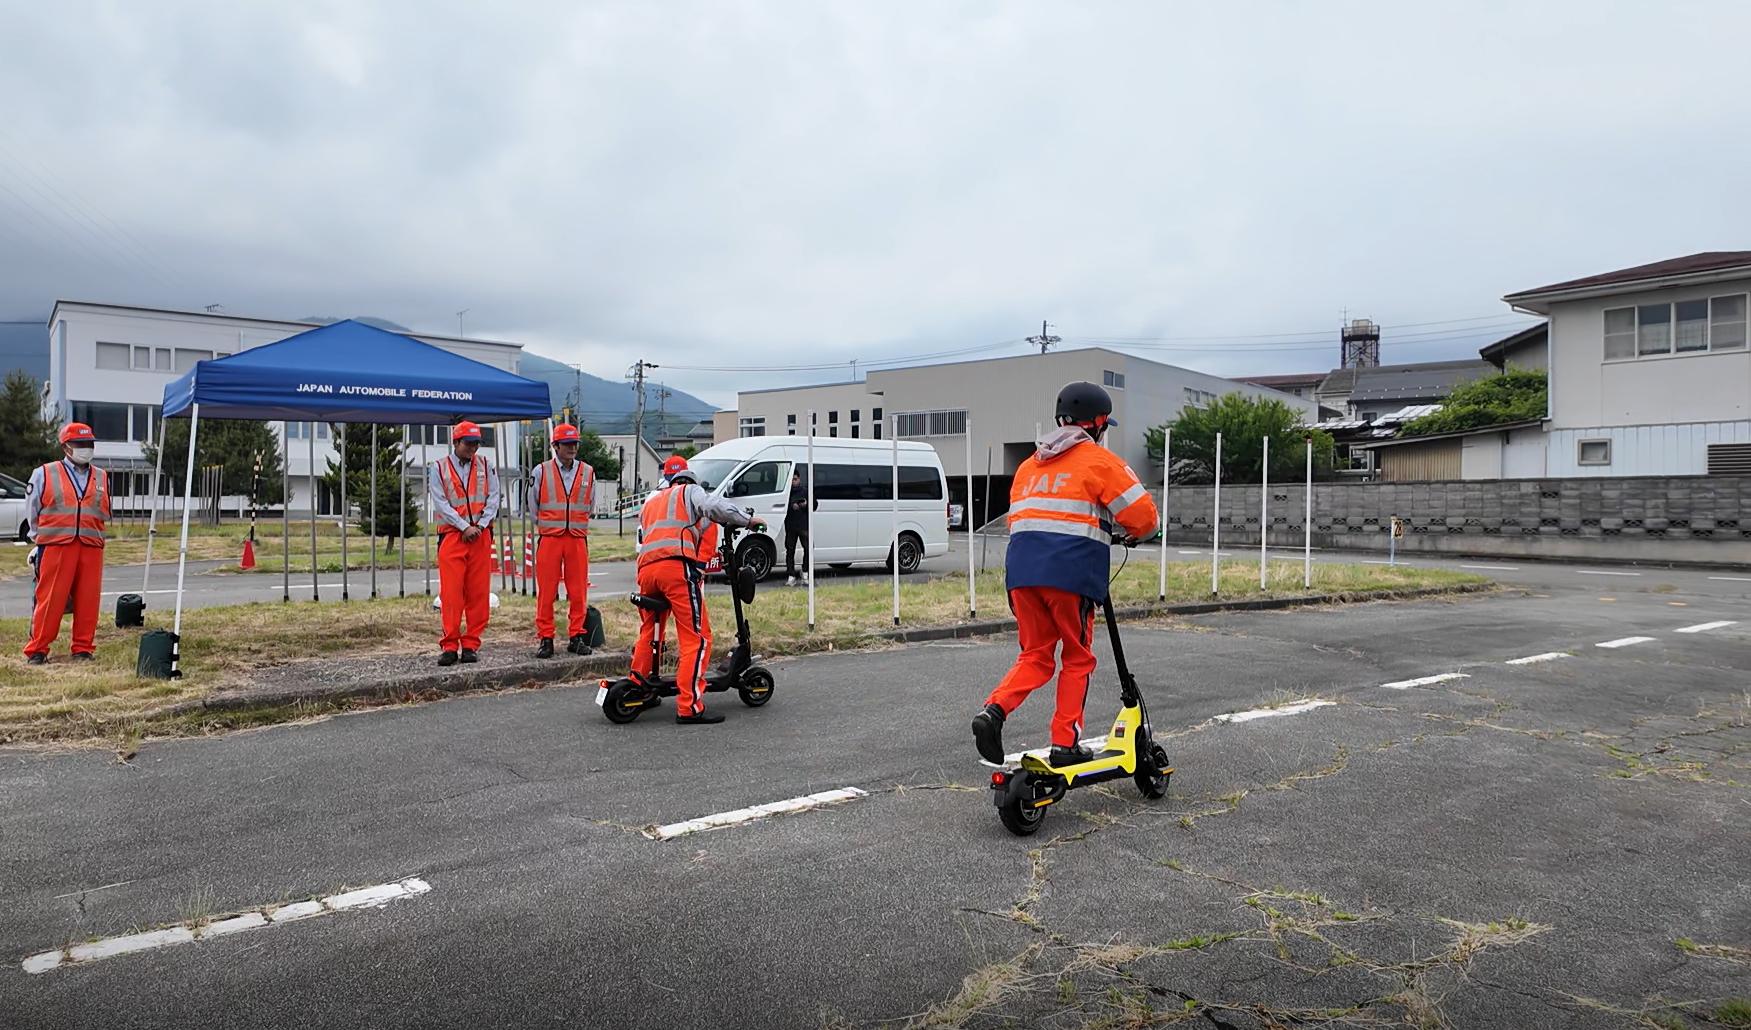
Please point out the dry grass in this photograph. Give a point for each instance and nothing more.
(223, 646)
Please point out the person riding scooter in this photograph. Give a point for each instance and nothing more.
(679, 535)
(1062, 508)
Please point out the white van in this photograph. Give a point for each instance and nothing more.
(854, 494)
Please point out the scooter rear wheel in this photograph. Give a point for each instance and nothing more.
(1019, 819)
(622, 705)
(1151, 776)
(756, 687)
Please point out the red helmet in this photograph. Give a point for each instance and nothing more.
(563, 433)
(677, 466)
(77, 432)
(465, 431)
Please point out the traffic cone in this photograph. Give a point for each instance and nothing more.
(248, 561)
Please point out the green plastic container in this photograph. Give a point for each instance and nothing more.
(157, 655)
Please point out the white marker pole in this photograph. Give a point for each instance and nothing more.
(1166, 463)
(1264, 506)
(972, 590)
(1216, 518)
(894, 533)
(1307, 524)
(809, 551)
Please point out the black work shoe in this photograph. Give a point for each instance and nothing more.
(988, 734)
(579, 645)
(447, 659)
(546, 648)
(1073, 755)
(84, 656)
(37, 659)
(699, 719)
(469, 657)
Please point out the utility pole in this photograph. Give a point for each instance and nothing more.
(1045, 339)
(639, 368)
(459, 315)
(854, 370)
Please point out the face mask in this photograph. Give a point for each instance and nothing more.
(82, 455)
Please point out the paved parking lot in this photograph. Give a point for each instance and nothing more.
(1461, 838)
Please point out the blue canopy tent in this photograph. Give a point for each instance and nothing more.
(345, 372)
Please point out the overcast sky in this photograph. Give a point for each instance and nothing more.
(781, 184)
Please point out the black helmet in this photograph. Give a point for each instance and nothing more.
(1085, 403)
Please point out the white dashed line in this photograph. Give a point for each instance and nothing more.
(1625, 642)
(1732, 579)
(1599, 572)
(1548, 656)
(185, 933)
(1503, 568)
(746, 815)
(1704, 627)
(1426, 681)
(1265, 713)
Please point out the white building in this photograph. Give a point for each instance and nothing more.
(1650, 374)
(109, 364)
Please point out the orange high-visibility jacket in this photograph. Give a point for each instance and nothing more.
(469, 499)
(67, 516)
(560, 512)
(670, 528)
(1063, 507)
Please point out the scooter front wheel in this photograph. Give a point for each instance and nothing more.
(622, 704)
(756, 687)
(1152, 773)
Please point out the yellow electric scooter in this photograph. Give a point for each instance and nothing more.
(1026, 785)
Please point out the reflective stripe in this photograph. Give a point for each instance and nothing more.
(1057, 504)
(666, 528)
(66, 515)
(560, 512)
(1128, 498)
(469, 499)
(1061, 526)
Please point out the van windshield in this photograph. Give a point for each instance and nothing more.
(713, 471)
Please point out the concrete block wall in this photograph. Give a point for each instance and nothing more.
(1678, 518)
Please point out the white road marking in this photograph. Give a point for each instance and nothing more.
(1625, 642)
(184, 933)
(1426, 680)
(744, 815)
(1548, 656)
(1599, 572)
(1732, 579)
(1504, 568)
(1704, 627)
(1265, 713)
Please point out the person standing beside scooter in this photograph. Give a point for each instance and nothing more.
(679, 535)
(1063, 505)
(796, 528)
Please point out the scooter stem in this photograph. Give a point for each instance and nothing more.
(1127, 683)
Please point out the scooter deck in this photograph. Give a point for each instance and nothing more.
(1035, 759)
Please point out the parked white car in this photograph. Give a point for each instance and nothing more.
(854, 491)
(12, 497)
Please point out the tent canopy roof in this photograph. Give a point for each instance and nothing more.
(352, 372)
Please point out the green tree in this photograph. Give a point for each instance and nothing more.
(1245, 423)
(687, 451)
(361, 440)
(232, 443)
(593, 452)
(26, 438)
(1517, 395)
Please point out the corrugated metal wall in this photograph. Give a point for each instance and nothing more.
(1421, 462)
(1673, 450)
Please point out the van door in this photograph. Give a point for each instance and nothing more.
(839, 487)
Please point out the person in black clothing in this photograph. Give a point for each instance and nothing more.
(796, 527)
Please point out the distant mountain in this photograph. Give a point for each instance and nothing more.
(607, 406)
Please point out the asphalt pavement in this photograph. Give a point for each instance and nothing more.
(1509, 814)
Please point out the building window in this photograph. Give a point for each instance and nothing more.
(931, 423)
(832, 430)
(144, 423)
(186, 358)
(108, 421)
(875, 414)
(854, 430)
(1692, 334)
(832, 418)
(1198, 398)
(1593, 452)
(1619, 334)
(1113, 379)
(1653, 329)
(114, 356)
(1726, 323)
(875, 429)
(790, 420)
(161, 359)
(854, 414)
(753, 425)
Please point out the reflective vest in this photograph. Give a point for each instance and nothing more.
(559, 513)
(469, 499)
(669, 529)
(67, 515)
(1064, 506)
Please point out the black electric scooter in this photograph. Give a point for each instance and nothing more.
(1025, 785)
(625, 699)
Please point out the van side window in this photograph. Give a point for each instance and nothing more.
(761, 479)
(842, 482)
(918, 483)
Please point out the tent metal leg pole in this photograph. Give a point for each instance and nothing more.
(401, 517)
(285, 515)
(498, 460)
(315, 585)
(426, 523)
(345, 516)
(374, 528)
(152, 512)
(188, 484)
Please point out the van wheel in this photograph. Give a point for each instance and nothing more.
(23, 536)
(758, 556)
(911, 554)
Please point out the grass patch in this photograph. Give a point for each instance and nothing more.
(1733, 1012)
(223, 646)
